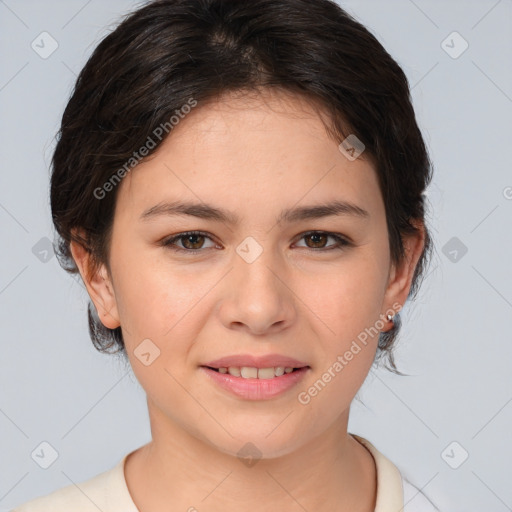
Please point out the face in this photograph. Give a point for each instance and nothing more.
(274, 277)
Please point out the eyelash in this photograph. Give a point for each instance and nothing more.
(341, 242)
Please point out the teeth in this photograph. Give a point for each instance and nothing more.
(234, 370)
(265, 373)
(249, 372)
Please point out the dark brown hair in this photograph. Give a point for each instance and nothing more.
(171, 51)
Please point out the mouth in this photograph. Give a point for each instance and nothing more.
(252, 383)
(252, 372)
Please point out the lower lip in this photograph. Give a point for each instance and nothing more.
(256, 389)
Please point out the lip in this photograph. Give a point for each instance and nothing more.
(266, 361)
(256, 389)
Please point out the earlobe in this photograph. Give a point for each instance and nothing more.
(98, 285)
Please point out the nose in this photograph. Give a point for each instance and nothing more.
(256, 297)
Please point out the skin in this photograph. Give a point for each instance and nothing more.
(253, 156)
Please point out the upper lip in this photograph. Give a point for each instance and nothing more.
(267, 361)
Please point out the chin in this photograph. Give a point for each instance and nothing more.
(250, 443)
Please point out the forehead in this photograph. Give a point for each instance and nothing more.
(251, 119)
(248, 149)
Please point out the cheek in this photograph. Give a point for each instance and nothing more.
(348, 334)
(336, 384)
(348, 298)
(154, 298)
(158, 308)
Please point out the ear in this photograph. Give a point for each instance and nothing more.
(98, 284)
(400, 277)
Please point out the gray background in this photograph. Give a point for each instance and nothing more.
(455, 341)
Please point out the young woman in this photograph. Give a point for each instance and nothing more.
(240, 185)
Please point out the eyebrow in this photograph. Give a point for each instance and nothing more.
(206, 211)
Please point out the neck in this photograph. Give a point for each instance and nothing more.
(331, 472)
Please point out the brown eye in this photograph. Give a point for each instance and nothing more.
(192, 241)
(188, 242)
(318, 240)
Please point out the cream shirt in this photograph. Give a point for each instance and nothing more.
(108, 492)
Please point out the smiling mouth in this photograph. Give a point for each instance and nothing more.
(249, 372)
(251, 383)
